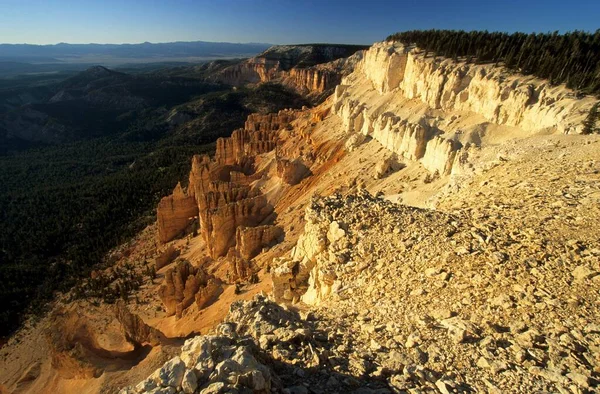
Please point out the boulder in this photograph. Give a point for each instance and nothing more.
(172, 372)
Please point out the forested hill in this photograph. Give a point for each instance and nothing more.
(572, 58)
(64, 206)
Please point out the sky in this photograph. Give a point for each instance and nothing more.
(277, 21)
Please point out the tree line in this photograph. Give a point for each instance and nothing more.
(572, 58)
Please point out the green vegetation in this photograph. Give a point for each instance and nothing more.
(589, 124)
(572, 58)
(117, 282)
(64, 207)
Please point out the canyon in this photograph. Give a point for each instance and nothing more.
(430, 226)
(313, 70)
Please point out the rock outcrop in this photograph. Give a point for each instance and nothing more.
(185, 284)
(292, 171)
(312, 80)
(258, 136)
(251, 240)
(230, 208)
(208, 293)
(221, 189)
(270, 122)
(175, 213)
(135, 329)
(309, 69)
(220, 362)
(385, 167)
(430, 290)
(525, 102)
(404, 89)
(234, 356)
(293, 276)
(165, 257)
(224, 216)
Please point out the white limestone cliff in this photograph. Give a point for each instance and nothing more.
(425, 108)
(305, 275)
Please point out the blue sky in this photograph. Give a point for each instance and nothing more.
(277, 21)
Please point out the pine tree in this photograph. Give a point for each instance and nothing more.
(589, 124)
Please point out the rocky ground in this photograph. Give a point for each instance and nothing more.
(495, 291)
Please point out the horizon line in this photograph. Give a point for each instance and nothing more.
(139, 43)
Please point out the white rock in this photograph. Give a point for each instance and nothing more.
(442, 386)
(335, 232)
(189, 384)
(214, 388)
(171, 373)
(146, 385)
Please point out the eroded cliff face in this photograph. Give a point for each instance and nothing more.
(251, 240)
(233, 211)
(185, 284)
(175, 213)
(308, 69)
(423, 108)
(220, 191)
(224, 188)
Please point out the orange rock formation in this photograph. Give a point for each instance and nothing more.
(251, 240)
(221, 190)
(134, 328)
(181, 285)
(175, 213)
(232, 210)
(291, 171)
(165, 257)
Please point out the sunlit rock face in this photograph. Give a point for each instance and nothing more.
(185, 284)
(251, 240)
(175, 213)
(221, 192)
(307, 69)
(414, 105)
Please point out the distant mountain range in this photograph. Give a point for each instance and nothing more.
(123, 53)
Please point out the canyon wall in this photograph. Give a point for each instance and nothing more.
(421, 109)
(449, 100)
(308, 69)
(175, 213)
(231, 210)
(185, 284)
(221, 191)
